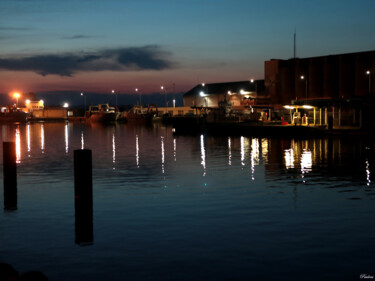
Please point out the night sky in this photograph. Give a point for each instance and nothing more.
(97, 46)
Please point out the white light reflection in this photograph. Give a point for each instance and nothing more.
(162, 155)
(28, 138)
(254, 154)
(203, 155)
(66, 138)
(306, 163)
(242, 151)
(174, 150)
(137, 151)
(82, 141)
(18, 145)
(289, 158)
(229, 151)
(368, 173)
(113, 150)
(42, 144)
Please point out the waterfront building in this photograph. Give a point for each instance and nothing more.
(339, 76)
(241, 93)
(340, 87)
(34, 105)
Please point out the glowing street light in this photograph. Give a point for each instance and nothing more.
(16, 95)
(255, 84)
(113, 92)
(66, 105)
(84, 100)
(140, 96)
(368, 72)
(165, 95)
(304, 78)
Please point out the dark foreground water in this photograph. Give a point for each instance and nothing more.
(191, 207)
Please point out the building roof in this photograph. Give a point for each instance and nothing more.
(364, 53)
(223, 88)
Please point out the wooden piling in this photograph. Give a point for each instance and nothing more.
(83, 196)
(10, 175)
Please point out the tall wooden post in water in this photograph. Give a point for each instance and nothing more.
(10, 175)
(83, 197)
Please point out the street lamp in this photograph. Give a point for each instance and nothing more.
(140, 96)
(256, 85)
(165, 95)
(113, 92)
(84, 100)
(16, 95)
(304, 78)
(368, 72)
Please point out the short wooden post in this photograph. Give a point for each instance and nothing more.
(83, 197)
(10, 175)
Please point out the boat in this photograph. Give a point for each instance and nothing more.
(13, 115)
(142, 114)
(102, 113)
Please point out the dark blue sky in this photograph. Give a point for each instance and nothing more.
(97, 46)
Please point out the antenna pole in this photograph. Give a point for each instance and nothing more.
(294, 45)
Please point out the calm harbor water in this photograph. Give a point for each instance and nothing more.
(191, 207)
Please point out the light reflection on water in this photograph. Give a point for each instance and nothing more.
(191, 207)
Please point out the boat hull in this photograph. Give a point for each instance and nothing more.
(104, 117)
(13, 117)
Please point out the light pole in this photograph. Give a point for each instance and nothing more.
(368, 72)
(174, 99)
(165, 95)
(16, 95)
(304, 78)
(255, 84)
(84, 100)
(113, 92)
(204, 93)
(140, 96)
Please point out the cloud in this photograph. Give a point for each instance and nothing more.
(80, 36)
(15, 28)
(122, 59)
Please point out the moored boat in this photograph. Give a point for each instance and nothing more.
(102, 113)
(13, 115)
(142, 114)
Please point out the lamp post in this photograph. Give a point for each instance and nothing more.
(304, 78)
(113, 92)
(165, 95)
(368, 73)
(140, 96)
(174, 99)
(252, 81)
(16, 95)
(204, 93)
(84, 100)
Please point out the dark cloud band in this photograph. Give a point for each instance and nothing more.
(123, 59)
